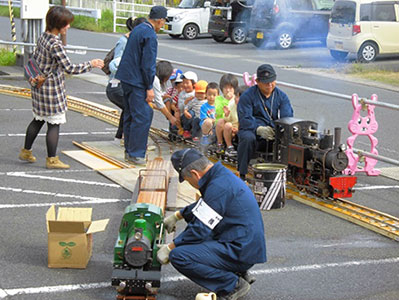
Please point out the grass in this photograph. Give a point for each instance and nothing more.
(105, 24)
(4, 12)
(7, 58)
(384, 76)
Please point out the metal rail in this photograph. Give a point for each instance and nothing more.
(374, 220)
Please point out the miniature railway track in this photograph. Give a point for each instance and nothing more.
(371, 219)
(374, 220)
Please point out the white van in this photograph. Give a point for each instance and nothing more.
(364, 27)
(190, 18)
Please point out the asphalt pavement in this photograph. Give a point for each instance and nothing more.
(311, 254)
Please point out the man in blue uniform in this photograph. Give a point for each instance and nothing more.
(136, 72)
(224, 236)
(258, 107)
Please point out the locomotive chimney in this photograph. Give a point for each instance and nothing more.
(337, 137)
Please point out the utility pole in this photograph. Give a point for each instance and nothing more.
(63, 36)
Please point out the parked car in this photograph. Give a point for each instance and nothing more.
(286, 21)
(189, 19)
(229, 19)
(365, 27)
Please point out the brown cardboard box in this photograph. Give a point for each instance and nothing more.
(70, 236)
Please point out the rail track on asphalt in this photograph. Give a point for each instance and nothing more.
(371, 219)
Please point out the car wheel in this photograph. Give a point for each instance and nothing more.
(174, 36)
(238, 35)
(284, 39)
(258, 43)
(218, 38)
(338, 55)
(367, 52)
(190, 31)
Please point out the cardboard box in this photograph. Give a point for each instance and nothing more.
(70, 236)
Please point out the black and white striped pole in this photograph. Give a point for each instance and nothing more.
(12, 21)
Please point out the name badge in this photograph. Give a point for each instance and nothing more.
(206, 214)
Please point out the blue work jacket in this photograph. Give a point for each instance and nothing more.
(138, 63)
(251, 108)
(241, 227)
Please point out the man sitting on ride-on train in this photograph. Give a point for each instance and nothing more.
(259, 106)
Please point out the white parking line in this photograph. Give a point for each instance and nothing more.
(86, 199)
(376, 187)
(62, 133)
(54, 171)
(275, 271)
(23, 174)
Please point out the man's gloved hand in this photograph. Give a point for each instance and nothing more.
(265, 132)
(163, 254)
(170, 222)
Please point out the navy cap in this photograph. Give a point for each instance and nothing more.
(158, 12)
(182, 158)
(265, 73)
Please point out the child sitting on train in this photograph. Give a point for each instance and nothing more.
(227, 127)
(207, 113)
(172, 93)
(190, 118)
(185, 96)
(228, 84)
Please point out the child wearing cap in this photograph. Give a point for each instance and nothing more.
(191, 116)
(227, 128)
(207, 112)
(188, 93)
(172, 93)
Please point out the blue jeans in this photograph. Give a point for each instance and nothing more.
(137, 120)
(192, 124)
(208, 264)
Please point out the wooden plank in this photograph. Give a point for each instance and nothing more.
(90, 160)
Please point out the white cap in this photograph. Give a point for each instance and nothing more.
(190, 75)
(179, 78)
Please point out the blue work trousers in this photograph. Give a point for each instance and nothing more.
(137, 120)
(208, 264)
(248, 144)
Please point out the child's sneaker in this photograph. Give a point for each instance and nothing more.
(205, 140)
(187, 134)
(230, 151)
(220, 149)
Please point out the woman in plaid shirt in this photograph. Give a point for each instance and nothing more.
(49, 103)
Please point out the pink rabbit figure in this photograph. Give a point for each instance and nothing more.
(248, 80)
(359, 125)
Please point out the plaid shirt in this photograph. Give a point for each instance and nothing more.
(52, 60)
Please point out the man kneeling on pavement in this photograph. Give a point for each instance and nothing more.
(224, 236)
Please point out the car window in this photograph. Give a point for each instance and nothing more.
(191, 3)
(343, 12)
(300, 4)
(365, 12)
(384, 12)
(323, 4)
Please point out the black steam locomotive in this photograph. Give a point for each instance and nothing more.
(316, 160)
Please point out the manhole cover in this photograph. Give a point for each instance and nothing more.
(3, 73)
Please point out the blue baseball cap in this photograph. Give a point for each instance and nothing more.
(158, 12)
(182, 158)
(176, 73)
